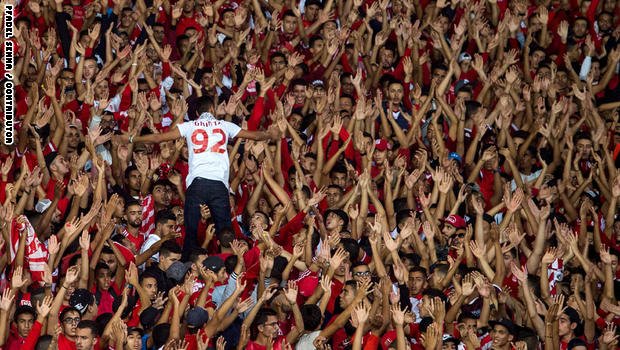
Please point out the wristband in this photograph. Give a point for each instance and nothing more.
(495, 171)
(131, 139)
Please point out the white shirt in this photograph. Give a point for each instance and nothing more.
(152, 239)
(207, 138)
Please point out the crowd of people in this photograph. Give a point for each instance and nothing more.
(338, 175)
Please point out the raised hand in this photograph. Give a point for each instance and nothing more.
(291, 292)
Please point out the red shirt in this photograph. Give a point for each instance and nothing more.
(65, 344)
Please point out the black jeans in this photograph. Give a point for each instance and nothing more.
(215, 195)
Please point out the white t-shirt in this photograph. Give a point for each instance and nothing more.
(152, 239)
(207, 138)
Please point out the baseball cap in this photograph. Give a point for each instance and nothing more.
(382, 145)
(49, 158)
(318, 83)
(177, 271)
(508, 324)
(149, 317)
(81, 299)
(449, 338)
(42, 205)
(135, 329)
(464, 56)
(456, 221)
(454, 155)
(197, 316)
(460, 84)
(213, 263)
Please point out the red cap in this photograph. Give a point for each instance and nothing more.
(456, 221)
(382, 145)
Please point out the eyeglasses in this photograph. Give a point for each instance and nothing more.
(272, 324)
(71, 320)
(362, 273)
(459, 235)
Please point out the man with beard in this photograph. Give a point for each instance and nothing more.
(86, 335)
(133, 217)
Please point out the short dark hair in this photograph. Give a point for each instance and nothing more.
(312, 317)
(164, 216)
(263, 313)
(195, 253)
(24, 309)
(170, 247)
(226, 236)
(132, 202)
(161, 182)
(68, 310)
(101, 266)
(278, 54)
(420, 269)
(203, 104)
(129, 169)
(298, 81)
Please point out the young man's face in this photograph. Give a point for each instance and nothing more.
(134, 216)
(110, 260)
(222, 275)
(161, 195)
(584, 147)
(165, 228)
(103, 279)
(346, 296)
(24, 324)
(448, 229)
(361, 273)
(85, 339)
(69, 323)
(289, 24)
(299, 91)
(257, 221)
(134, 180)
(270, 328)
(564, 325)
(90, 69)
(149, 284)
(387, 58)
(468, 325)
(311, 12)
(332, 221)
(339, 179)
(134, 341)
(166, 260)
(500, 336)
(333, 197)
(278, 63)
(379, 156)
(417, 282)
(580, 28)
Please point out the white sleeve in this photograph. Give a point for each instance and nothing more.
(232, 129)
(115, 104)
(184, 129)
(585, 68)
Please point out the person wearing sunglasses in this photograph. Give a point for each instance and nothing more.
(361, 272)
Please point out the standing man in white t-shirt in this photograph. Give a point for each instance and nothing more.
(207, 179)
